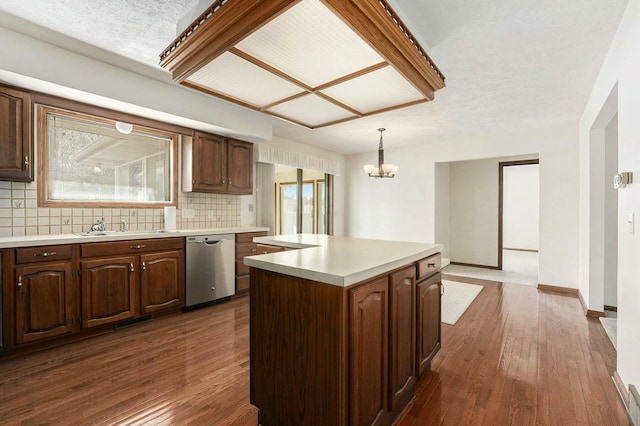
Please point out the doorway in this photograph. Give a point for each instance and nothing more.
(518, 217)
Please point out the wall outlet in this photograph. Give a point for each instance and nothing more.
(211, 214)
(188, 213)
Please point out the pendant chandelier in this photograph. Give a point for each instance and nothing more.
(382, 170)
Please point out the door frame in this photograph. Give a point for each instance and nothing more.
(501, 166)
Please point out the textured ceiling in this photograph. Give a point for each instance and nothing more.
(509, 65)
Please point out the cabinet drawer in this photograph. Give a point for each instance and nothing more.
(428, 266)
(130, 246)
(43, 254)
(241, 268)
(246, 249)
(247, 237)
(267, 248)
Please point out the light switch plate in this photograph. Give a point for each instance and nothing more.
(631, 221)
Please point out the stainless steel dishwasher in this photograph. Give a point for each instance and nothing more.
(210, 268)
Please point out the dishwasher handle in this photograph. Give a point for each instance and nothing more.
(214, 243)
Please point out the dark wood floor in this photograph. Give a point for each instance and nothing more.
(517, 356)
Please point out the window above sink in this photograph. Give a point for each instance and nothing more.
(87, 160)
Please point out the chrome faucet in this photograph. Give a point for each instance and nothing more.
(123, 225)
(99, 226)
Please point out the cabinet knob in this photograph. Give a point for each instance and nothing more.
(431, 265)
(131, 267)
(144, 266)
(20, 283)
(255, 250)
(139, 246)
(26, 161)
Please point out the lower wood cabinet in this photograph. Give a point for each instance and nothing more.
(44, 301)
(108, 290)
(428, 323)
(161, 281)
(245, 247)
(53, 291)
(402, 338)
(368, 360)
(324, 354)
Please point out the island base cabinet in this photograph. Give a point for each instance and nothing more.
(43, 301)
(368, 363)
(402, 339)
(297, 351)
(428, 321)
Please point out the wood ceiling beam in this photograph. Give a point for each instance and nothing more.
(223, 25)
(377, 24)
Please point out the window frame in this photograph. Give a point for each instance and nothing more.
(106, 117)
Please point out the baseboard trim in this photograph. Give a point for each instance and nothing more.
(474, 265)
(622, 391)
(589, 312)
(558, 289)
(611, 308)
(519, 249)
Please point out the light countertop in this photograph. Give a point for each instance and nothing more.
(340, 261)
(48, 240)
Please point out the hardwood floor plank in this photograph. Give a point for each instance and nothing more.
(517, 356)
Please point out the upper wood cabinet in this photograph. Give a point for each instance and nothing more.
(16, 140)
(212, 163)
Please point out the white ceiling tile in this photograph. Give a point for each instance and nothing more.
(310, 43)
(243, 80)
(375, 90)
(311, 110)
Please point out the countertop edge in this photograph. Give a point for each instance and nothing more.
(55, 239)
(266, 262)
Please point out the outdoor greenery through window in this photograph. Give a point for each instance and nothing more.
(86, 160)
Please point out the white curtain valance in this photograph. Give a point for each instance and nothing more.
(274, 155)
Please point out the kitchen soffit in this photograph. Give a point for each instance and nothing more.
(312, 62)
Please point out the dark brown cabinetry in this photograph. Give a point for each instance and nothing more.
(49, 292)
(213, 163)
(108, 290)
(41, 284)
(16, 141)
(43, 301)
(402, 338)
(245, 247)
(352, 349)
(161, 281)
(428, 315)
(122, 280)
(368, 362)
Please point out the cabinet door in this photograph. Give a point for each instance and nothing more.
(369, 312)
(44, 301)
(108, 290)
(161, 281)
(16, 159)
(402, 334)
(428, 322)
(209, 163)
(240, 166)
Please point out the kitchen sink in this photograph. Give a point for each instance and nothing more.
(106, 233)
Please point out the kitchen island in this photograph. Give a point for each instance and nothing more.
(341, 328)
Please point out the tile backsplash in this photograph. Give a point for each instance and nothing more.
(20, 214)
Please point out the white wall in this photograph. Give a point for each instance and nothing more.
(611, 214)
(520, 206)
(442, 207)
(620, 73)
(404, 208)
(37, 65)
